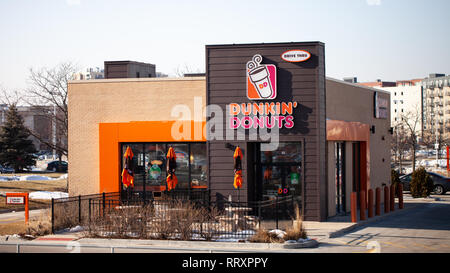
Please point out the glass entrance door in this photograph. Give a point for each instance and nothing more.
(340, 176)
(279, 172)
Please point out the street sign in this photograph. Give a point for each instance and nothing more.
(15, 200)
(19, 198)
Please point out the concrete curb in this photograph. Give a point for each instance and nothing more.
(197, 244)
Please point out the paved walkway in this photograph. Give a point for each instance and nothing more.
(338, 234)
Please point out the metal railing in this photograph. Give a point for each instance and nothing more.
(73, 211)
(188, 220)
(173, 215)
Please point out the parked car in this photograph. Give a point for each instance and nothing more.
(57, 166)
(4, 169)
(440, 182)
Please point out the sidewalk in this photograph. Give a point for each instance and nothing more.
(334, 227)
(339, 225)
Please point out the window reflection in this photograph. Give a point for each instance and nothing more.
(155, 163)
(137, 164)
(281, 171)
(182, 171)
(149, 165)
(198, 166)
(286, 152)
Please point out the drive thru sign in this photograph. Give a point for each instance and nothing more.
(18, 198)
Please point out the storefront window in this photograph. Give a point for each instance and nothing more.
(286, 152)
(155, 164)
(137, 165)
(198, 166)
(282, 171)
(182, 171)
(149, 164)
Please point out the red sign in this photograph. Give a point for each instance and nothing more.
(18, 198)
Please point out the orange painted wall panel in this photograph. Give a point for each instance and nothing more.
(112, 134)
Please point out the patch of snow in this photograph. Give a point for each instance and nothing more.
(76, 229)
(280, 234)
(47, 195)
(64, 176)
(34, 177)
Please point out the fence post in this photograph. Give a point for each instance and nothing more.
(259, 213)
(370, 204)
(53, 216)
(378, 202)
(79, 209)
(386, 200)
(104, 204)
(353, 206)
(392, 198)
(276, 211)
(89, 216)
(400, 196)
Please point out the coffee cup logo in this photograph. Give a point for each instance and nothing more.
(261, 80)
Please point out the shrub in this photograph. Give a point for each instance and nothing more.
(421, 183)
(395, 180)
(297, 231)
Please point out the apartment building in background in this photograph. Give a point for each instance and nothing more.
(38, 119)
(406, 103)
(436, 106)
(90, 74)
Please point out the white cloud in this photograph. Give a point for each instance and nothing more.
(73, 2)
(373, 2)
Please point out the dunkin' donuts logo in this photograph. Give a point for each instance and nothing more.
(261, 80)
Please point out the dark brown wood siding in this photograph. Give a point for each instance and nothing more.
(301, 82)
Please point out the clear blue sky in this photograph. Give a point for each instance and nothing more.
(370, 39)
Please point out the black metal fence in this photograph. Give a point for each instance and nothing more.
(73, 211)
(175, 215)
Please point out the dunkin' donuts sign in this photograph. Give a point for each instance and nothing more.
(261, 85)
(261, 79)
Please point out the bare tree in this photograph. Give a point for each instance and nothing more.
(48, 95)
(399, 145)
(185, 69)
(411, 122)
(10, 97)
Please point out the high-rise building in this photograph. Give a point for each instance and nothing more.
(406, 103)
(436, 106)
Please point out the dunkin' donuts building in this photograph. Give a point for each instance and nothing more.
(301, 133)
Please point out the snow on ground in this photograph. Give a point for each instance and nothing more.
(31, 178)
(34, 177)
(64, 176)
(47, 195)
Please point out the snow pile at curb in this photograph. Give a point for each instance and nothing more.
(47, 195)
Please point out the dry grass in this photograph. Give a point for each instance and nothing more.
(296, 231)
(36, 227)
(12, 228)
(179, 220)
(31, 186)
(293, 233)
